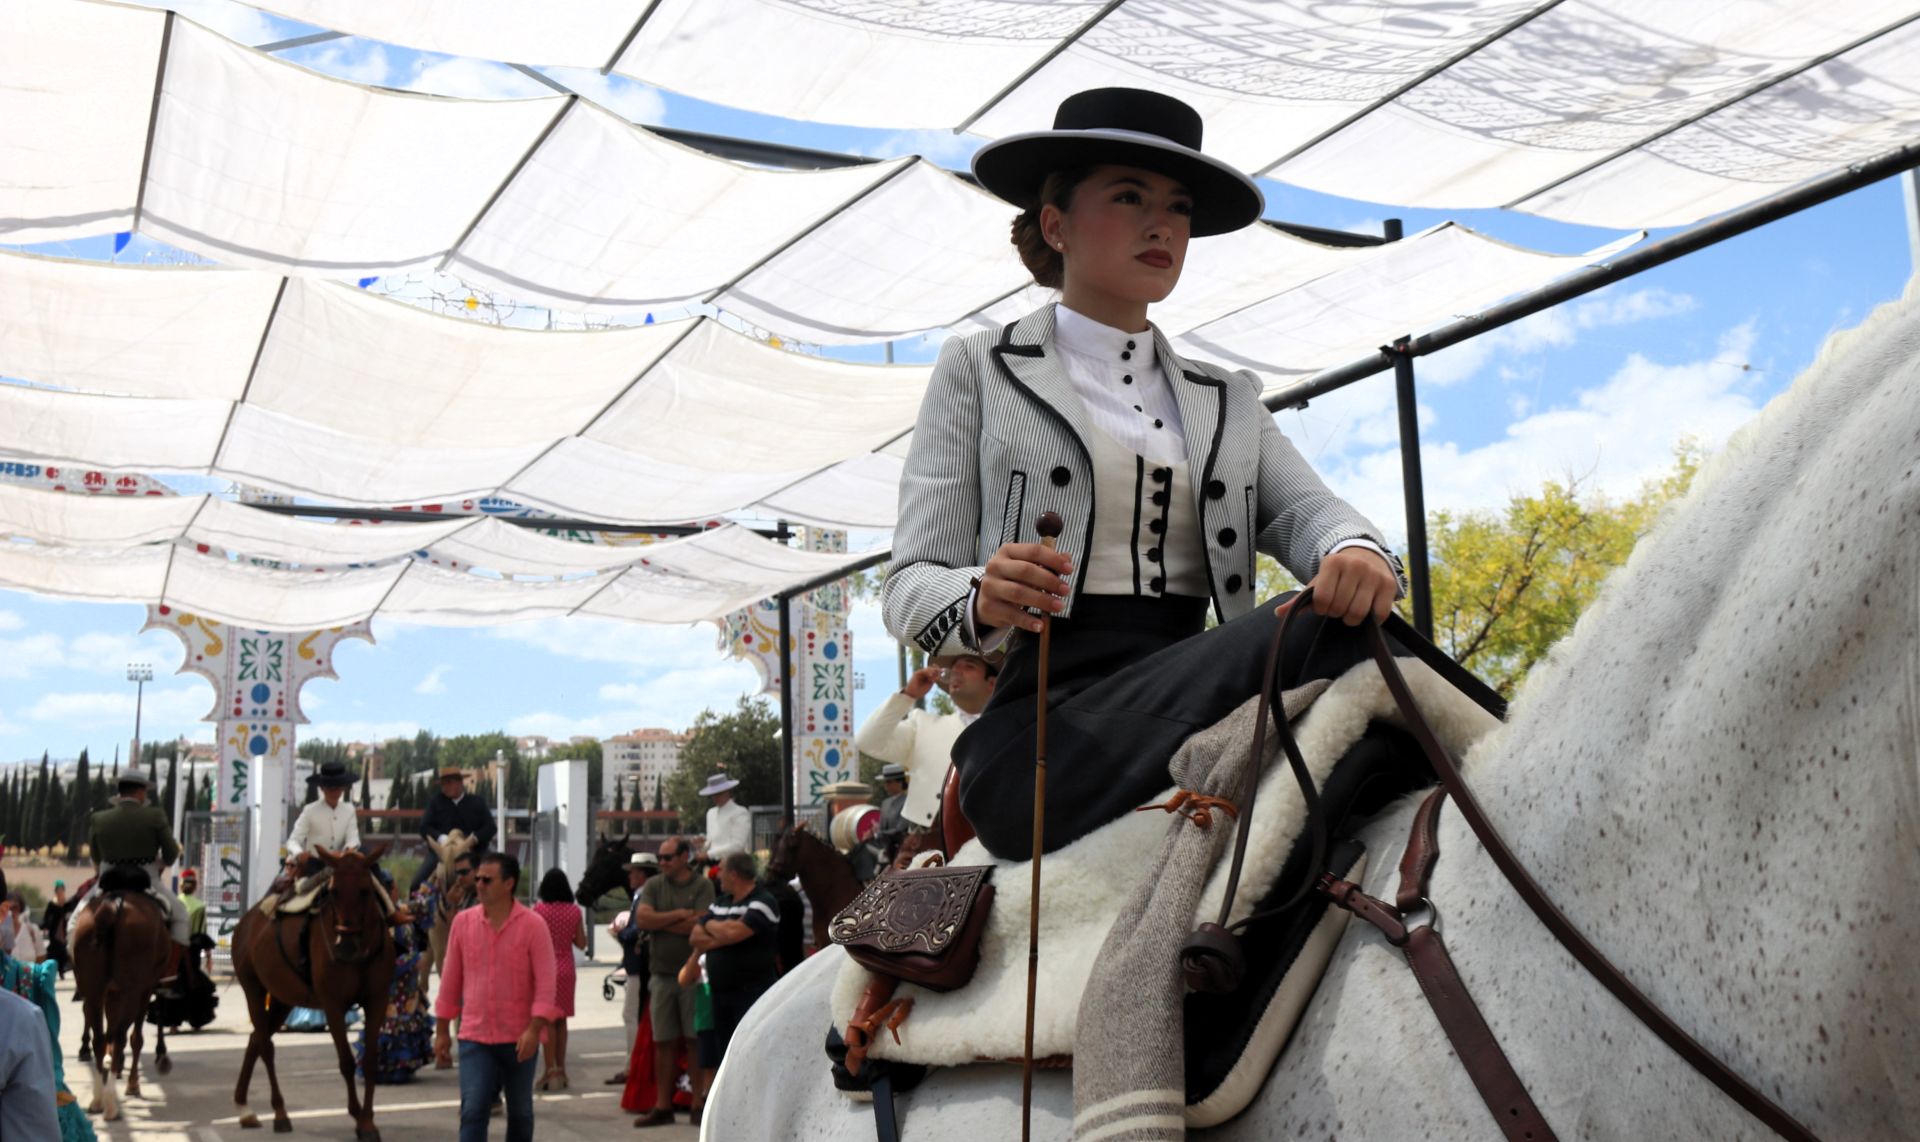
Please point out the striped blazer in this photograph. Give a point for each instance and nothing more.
(1001, 437)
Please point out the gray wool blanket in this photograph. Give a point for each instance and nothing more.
(1129, 1079)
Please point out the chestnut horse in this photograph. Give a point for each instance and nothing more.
(826, 875)
(335, 956)
(120, 948)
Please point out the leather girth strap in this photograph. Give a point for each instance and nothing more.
(1602, 969)
(1473, 1042)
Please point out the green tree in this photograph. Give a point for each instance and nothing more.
(745, 743)
(1509, 584)
(79, 806)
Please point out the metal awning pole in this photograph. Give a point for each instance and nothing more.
(1413, 488)
(786, 708)
(1729, 225)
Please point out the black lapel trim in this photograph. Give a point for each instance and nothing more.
(999, 352)
(1206, 477)
(1139, 489)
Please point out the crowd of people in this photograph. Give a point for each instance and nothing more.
(701, 940)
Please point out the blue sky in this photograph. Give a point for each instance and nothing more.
(1602, 388)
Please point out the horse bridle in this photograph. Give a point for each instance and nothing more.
(1214, 962)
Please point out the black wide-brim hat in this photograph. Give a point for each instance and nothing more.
(1124, 126)
(332, 775)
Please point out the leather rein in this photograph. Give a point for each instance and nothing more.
(1410, 923)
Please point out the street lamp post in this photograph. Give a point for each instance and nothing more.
(138, 673)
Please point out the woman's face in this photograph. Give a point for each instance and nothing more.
(1125, 234)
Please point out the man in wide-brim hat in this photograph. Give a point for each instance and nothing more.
(449, 809)
(729, 824)
(921, 741)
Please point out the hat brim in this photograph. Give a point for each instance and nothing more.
(718, 787)
(1013, 168)
(333, 782)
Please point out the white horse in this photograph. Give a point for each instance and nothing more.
(1717, 776)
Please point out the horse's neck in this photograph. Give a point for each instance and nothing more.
(1717, 778)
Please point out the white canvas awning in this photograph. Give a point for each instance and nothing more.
(320, 389)
(258, 163)
(257, 568)
(1620, 113)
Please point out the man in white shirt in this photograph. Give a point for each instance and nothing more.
(922, 741)
(327, 822)
(729, 824)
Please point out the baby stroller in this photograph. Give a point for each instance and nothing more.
(617, 978)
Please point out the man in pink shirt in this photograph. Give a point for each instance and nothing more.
(498, 982)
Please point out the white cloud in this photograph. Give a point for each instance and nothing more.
(435, 682)
(465, 78)
(11, 621)
(1613, 437)
(1556, 328)
(944, 148)
(96, 652)
(161, 707)
(354, 60)
(671, 699)
(358, 731)
(604, 640)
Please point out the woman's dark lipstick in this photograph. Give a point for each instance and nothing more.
(1159, 259)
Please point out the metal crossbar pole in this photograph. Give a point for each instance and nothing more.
(536, 523)
(1414, 488)
(1582, 282)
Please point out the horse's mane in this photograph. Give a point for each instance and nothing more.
(1785, 416)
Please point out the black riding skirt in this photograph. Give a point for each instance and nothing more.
(1132, 678)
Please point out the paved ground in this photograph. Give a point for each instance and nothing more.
(195, 1102)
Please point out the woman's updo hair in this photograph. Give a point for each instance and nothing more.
(1043, 261)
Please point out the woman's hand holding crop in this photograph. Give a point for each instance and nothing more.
(1018, 577)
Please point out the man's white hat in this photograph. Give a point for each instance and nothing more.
(718, 783)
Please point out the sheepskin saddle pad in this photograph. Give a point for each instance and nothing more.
(1360, 758)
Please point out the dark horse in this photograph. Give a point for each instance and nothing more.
(826, 875)
(120, 949)
(606, 870)
(338, 954)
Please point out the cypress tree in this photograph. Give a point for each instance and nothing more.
(57, 822)
(32, 810)
(79, 805)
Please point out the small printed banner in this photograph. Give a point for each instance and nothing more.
(822, 672)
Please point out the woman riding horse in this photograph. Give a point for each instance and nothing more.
(1169, 473)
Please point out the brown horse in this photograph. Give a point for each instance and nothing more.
(331, 958)
(120, 948)
(826, 875)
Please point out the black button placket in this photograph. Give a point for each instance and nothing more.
(1163, 499)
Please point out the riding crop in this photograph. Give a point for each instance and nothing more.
(1049, 525)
